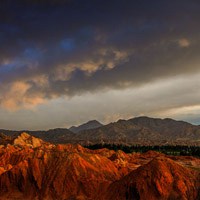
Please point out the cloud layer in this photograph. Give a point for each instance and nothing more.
(58, 49)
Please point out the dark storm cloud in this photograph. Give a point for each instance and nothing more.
(68, 47)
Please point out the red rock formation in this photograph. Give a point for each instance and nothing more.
(61, 172)
(161, 178)
(39, 170)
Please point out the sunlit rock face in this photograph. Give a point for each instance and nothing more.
(25, 139)
(33, 169)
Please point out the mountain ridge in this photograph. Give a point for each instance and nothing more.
(139, 130)
(144, 130)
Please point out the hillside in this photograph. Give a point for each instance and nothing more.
(169, 128)
(121, 132)
(161, 178)
(144, 131)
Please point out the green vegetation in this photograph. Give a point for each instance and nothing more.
(169, 150)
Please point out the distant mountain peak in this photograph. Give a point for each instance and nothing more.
(92, 124)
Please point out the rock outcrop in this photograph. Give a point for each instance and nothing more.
(24, 139)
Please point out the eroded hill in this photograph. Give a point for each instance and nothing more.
(33, 169)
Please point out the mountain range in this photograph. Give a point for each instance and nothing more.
(139, 130)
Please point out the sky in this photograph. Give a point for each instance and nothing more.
(66, 62)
